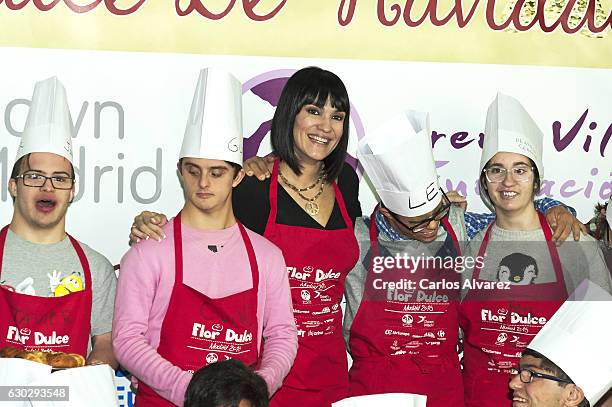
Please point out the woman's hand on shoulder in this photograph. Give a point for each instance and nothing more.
(259, 167)
(148, 225)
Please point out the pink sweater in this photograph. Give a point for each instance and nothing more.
(143, 294)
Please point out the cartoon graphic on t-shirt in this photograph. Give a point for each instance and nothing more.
(25, 287)
(63, 286)
(518, 269)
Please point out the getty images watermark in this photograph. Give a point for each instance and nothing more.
(428, 273)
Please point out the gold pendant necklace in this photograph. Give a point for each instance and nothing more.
(311, 207)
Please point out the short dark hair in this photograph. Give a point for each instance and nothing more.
(311, 85)
(24, 162)
(225, 384)
(551, 367)
(236, 167)
(536, 179)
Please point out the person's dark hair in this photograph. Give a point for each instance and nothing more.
(226, 384)
(536, 178)
(549, 366)
(602, 226)
(235, 166)
(23, 164)
(310, 85)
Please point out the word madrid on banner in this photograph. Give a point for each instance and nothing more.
(571, 16)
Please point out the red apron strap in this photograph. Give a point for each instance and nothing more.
(452, 234)
(273, 193)
(3, 234)
(178, 249)
(251, 254)
(84, 263)
(552, 249)
(347, 219)
(482, 249)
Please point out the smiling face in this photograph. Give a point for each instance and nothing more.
(208, 183)
(41, 208)
(317, 131)
(510, 195)
(541, 392)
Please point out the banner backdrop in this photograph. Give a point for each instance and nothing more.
(130, 68)
(130, 110)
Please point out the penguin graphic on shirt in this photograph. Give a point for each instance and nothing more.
(518, 269)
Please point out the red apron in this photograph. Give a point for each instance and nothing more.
(405, 341)
(499, 327)
(318, 261)
(51, 324)
(198, 330)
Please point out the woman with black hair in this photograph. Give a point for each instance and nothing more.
(307, 208)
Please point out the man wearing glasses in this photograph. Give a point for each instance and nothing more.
(400, 323)
(568, 362)
(57, 294)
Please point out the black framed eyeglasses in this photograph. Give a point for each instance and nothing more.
(438, 216)
(527, 376)
(35, 180)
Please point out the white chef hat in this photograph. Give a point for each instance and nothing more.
(398, 159)
(578, 339)
(509, 128)
(214, 127)
(386, 399)
(48, 127)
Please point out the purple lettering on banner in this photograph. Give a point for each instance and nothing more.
(606, 189)
(605, 140)
(460, 188)
(546, 187)
(435, 136)
(561, 142)
(565, 192)
(457, 139)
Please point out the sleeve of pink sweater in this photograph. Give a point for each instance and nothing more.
(279, 330)
(136, 288)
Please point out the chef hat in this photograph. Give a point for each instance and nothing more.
(386, 399)
(214, 127)
(509, 128)
(398, 159)
(578, 339)
(48, 127)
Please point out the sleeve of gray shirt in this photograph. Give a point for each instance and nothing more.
(355, 280)
(103, 286)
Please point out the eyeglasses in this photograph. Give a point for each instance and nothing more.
(422, 224)
(527, 376)
(32, 179)
(521, 173)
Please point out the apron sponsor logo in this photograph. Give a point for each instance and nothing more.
(199, 330)
(515, 318)
(396, 295)
(40, 338)
(422, 296)
(308, 271)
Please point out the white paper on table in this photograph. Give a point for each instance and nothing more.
(91, 386)
(20, 372)
(386, 399)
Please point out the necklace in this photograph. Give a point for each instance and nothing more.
(296, 189)
(311, 207)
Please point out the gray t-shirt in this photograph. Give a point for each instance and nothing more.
(356, 279)
(523, 257)
(46, 269)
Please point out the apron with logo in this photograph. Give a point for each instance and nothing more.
(317, 261)
(51, 324)
(198, 330)
(500, 324)
(405, 340)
